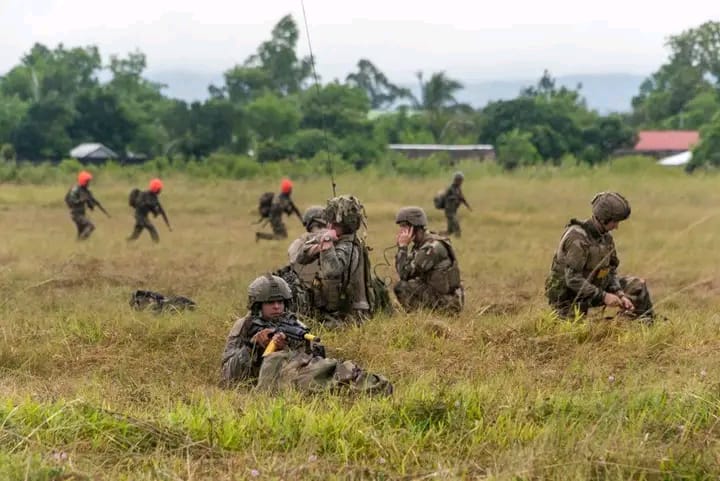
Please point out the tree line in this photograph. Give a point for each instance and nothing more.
(269, 108)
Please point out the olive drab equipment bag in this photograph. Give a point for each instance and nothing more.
(134, 197)
(439, 199)
(264, 204)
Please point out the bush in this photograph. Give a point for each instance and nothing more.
(7, 152)
(515, 148)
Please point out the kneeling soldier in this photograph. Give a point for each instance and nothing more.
(429, 272)
(584, 267)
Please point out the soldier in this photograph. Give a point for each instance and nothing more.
(281, 204)
(341, 290)
(429, 272)
(314, 222)
(300, 277)
(453, 198)
(147, 202)
(79, 197)
(270, 347)
(584, 267)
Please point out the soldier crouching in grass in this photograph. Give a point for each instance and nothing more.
(270, 347)
(429, 272)
(584, 268)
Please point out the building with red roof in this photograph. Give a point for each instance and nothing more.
(661, 143)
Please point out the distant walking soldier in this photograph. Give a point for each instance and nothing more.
(584, 268)
(77, 199)
(145, 203)
(450, 201)
(272, 349)
(429, 272)
(280, 204)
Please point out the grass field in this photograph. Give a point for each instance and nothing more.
(90, 389)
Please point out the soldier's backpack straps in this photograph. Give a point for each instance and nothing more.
(573, 227)
(445, 241)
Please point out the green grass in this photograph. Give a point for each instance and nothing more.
(90, 389)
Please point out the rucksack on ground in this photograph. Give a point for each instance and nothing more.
(264, 204)
(439, 199)
(133, 197)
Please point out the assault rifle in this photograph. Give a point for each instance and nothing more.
(96, 203)
(293, 331)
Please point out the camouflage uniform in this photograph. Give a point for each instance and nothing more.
(281, 204)
(300, 277)
(584, 267)
(340, 290)
(77, 198)
(453, 198)
(301, 365)
(147, 202)
(429, 272)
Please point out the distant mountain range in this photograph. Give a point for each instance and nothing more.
(603, 92)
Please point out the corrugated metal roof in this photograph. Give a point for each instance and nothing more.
(660, 140)
(92, 150)
(439, 147)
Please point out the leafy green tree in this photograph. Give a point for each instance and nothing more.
(707, 151)
(12, 111)
(42, 134)
(692, 70)
(605, 136)
(278, 59)
(43, 72)
(273, 117)
(244, 84)
(436, 100)
(516, 148)
(379, 89)
(101, 117)
(7, 152)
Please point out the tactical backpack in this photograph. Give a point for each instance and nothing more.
(134, 197)
(141, 300)
(69, 201)
(378, 293)
(439, 199)
(265, 203)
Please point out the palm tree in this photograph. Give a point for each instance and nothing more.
(437, 95)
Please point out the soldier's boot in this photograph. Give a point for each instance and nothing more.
(137, 230)
(87, 230)
(153, 233)
(264, 236)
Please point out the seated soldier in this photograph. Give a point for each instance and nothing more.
(429, 273)
(342, 292)
(300, 277)
(584, 268)
(270, 347)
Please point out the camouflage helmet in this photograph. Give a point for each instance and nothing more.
(346, 211)
(610, 207)
(414, 216)
(458, 176)
(268, 288)
(314, 214)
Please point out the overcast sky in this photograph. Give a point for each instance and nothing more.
(469, 39)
